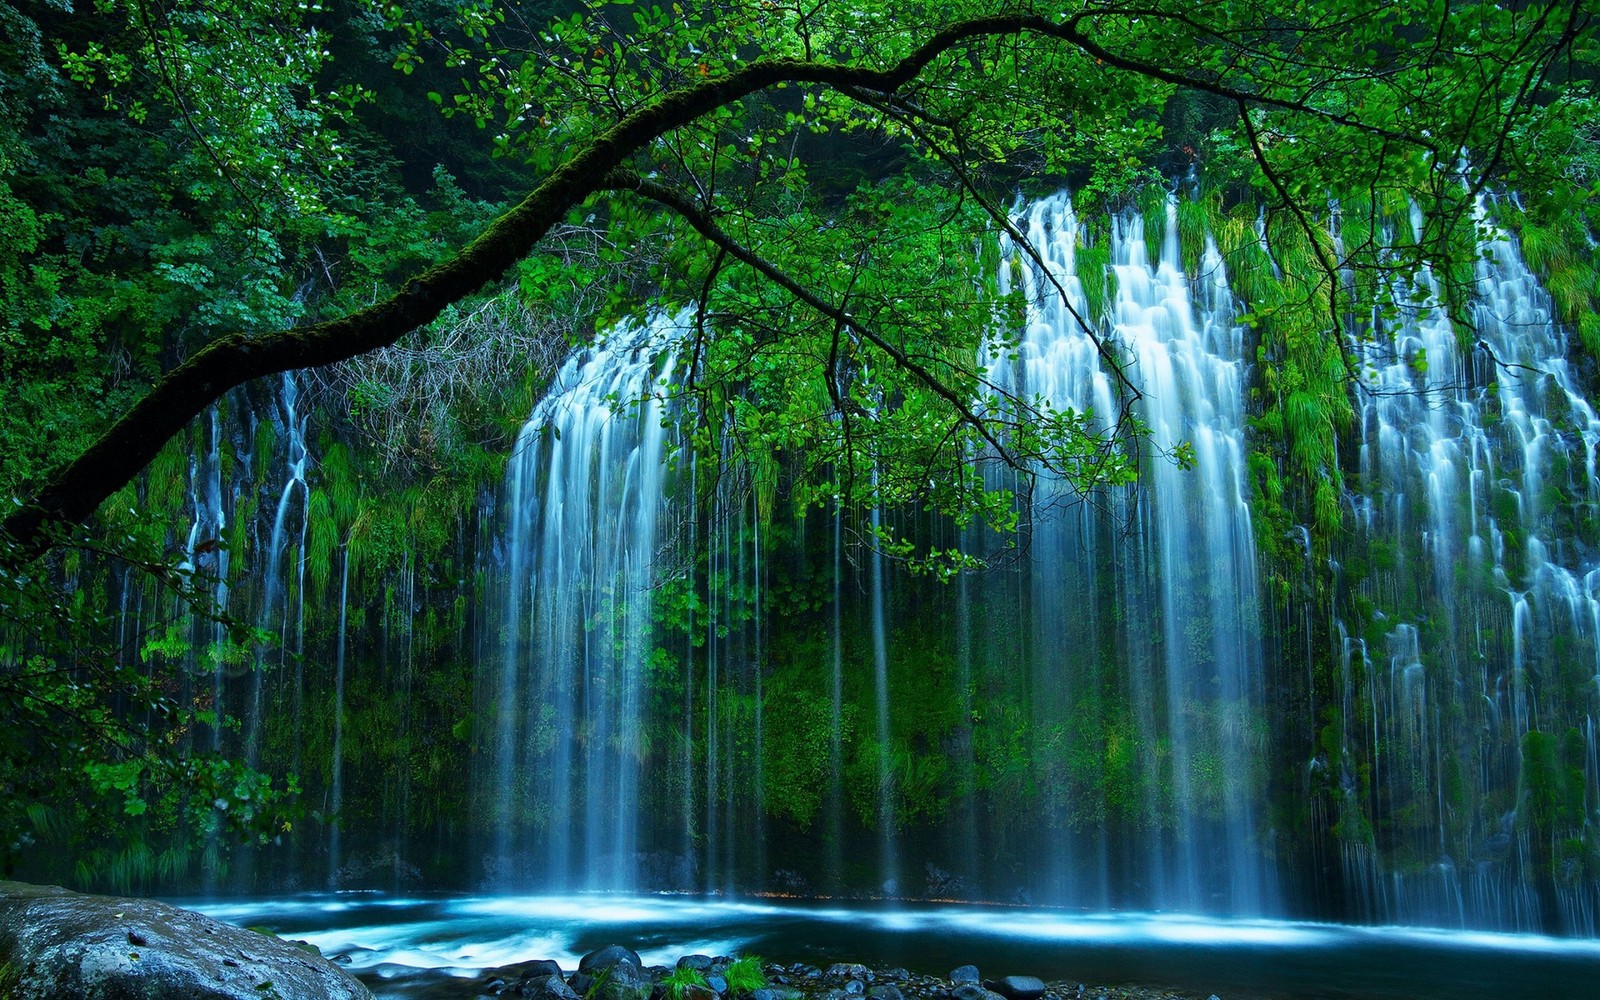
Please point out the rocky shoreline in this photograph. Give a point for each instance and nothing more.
(617, 973)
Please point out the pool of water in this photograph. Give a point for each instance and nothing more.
(413, 946)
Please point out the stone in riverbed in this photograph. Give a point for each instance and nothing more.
(849, 970)
(1018, 987)
(698, 963)
(855, 987)
(972, 991)
(523, 970)
(544, 988)
(718, 982)
(69, 946)
(623, 980)
(606, 957)
(885, 992)
(965, 974)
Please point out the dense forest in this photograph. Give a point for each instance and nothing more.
(1221, 536)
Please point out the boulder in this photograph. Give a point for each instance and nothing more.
(1018, 987)
(546, 987)
(70, 946)
(965, 974)
(606, 957)
(622, 980)
(699, 963)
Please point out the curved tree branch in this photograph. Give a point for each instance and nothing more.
(74, 492)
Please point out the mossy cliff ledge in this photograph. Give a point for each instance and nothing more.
(69, 946)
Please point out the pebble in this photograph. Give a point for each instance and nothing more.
(1019, 987)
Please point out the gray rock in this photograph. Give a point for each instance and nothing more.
(849, 970)
(606, 957)
(897, 973)
(885, 992)
(536, 969)
(972, 991)
(622, 980)
(698, 963)
(1019, 987)
(855, 987)
(69, 946)
(763, 994)
(965, 974)
(545, 987)
(718, 982)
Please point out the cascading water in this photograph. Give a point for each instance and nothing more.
(586, 488)
(1113, 729)
(1147, 712)
(276, 613)
(1472, 637)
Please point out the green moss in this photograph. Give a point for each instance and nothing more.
(1152, 203)
(1094, 275)
(1194, 220)
(266, 438)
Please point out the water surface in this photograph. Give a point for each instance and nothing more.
(435, 945)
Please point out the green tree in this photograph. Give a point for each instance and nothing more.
(622, 110)
(197, 194)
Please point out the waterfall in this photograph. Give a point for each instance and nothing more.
(276, 614)
(889, 858)
(1143, 614)
(586, 488)
(336, 781)
(1476, 622)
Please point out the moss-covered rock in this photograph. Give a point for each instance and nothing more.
(69, 946)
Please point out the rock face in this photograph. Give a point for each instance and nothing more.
(68, 946)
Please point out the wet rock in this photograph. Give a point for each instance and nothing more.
(512, 973)
(606, 957)
(849, 970)
(972, 991)
(718, 982)
(855, 987)
(580, 982)
(69, 946)
(699, 963)
(965, 974)
(657, 972)
(1018, 987)
(546, 987)
(885, 992)
(897, 973)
